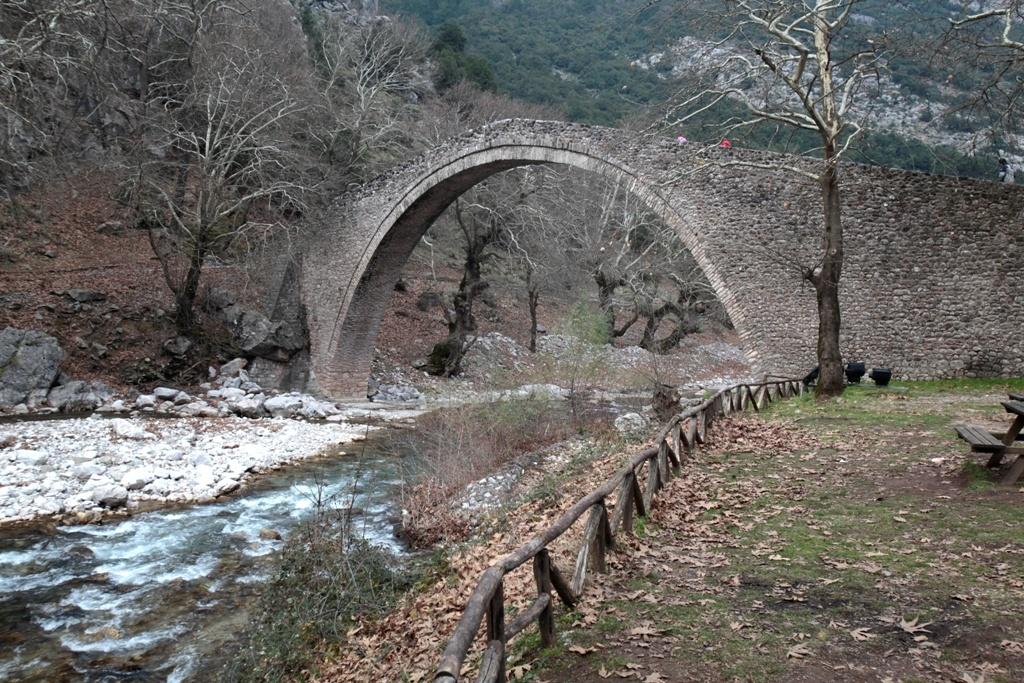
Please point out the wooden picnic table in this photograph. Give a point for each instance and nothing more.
(1015, 407)
(998, 445)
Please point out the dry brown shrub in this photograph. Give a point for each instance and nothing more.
(456, 447)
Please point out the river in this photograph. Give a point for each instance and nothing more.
(160, 596)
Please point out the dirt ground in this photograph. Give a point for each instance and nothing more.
(852, 541)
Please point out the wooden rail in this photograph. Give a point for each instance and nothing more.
(636, 485)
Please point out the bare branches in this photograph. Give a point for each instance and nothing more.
(218, 174)
(776, 62)
(367, 78)
(991, 42)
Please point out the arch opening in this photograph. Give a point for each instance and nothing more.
(399, 225)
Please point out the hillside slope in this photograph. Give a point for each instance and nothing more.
(603, 62)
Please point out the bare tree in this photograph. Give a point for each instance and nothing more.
(368, 78)
(220, 177)
(787, 49)
(638, 264)
(45, 46)
(488, 218)
(990, 44)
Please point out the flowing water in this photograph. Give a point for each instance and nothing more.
(161, 595)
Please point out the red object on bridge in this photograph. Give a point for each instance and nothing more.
(725, 144)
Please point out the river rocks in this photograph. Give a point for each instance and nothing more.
(542, 391)
(126, 429)
(269, 534)
(109, 495)
(203, 476)
(247, 407)
(77, 396)
(228, 393)
(26, 456)
(29, 360)
(145, 401)
(165, 393)
(232, 368)
(136, 479)
(285, 405)
(87, 470)
(393, 393)
(197, 409)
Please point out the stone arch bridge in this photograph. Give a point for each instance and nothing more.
(933, 284)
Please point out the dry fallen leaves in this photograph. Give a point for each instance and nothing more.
(913, 627)
(1013, 646)
(862, 634)
(799, 651)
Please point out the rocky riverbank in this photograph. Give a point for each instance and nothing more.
(80, 469)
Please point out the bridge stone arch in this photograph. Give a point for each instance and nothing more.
(747, 229)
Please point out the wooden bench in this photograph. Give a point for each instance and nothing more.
(998, 445)
(1016, 397)
(981, 440)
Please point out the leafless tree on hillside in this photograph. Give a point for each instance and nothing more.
(367, 79)
(991, 44)
(638, 264)
(220, 179)
(488, 218)
(803, 82)
(43, 44)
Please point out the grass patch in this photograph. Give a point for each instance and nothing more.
(979, 477)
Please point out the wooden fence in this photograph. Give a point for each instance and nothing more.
(636, 485)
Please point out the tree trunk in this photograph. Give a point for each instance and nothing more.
(826, 280)
(446, 357)
(605, 300)
(534, 299)
(185, 297)
(826, 284)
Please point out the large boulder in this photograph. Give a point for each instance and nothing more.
(255, 333)
(77, 396)
(392, 393)
(286, 405)
(109, 495)
(29, 360)
(631, 424)
(136, 479)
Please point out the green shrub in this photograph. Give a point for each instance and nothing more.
(325, 578)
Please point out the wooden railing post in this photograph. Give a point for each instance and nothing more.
(542, 575)
(652, 482)
(677, 442)
(601, 540)
(626, 500)
(594, 547)
(664, 471)
(496, 625)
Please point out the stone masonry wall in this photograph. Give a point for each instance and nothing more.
(932, 287)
